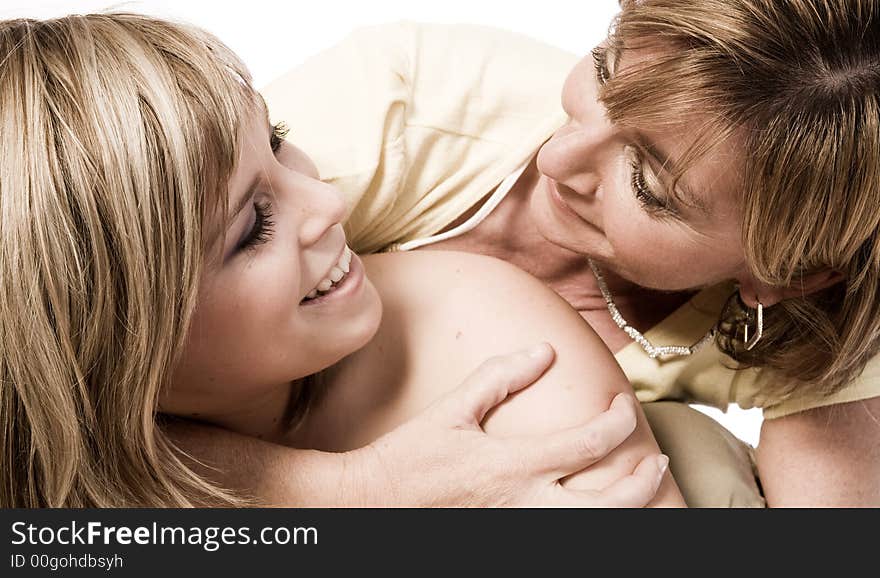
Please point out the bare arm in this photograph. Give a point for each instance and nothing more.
(269, 473)
(824, 457)
(439, 457)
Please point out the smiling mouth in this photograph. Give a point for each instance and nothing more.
(335, 277)
(556, 190)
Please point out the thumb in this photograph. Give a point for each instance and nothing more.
(492, 382)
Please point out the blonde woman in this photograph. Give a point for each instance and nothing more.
(166, 257)
(705, 196)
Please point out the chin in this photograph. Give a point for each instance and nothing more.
(363, 328)
(586, 247)
(372, 314)
(543, 220)
(648, 279)
(552, 230)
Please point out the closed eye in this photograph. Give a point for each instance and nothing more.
(600, 61)
(263, 227)
(643, 190)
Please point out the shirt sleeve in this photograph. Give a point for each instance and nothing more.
(417, 122)
(346, 107)
(866, 386)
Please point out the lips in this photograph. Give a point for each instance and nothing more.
(558, 193)
(562, 191)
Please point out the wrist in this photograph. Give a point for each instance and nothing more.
(368, 481)
(352, 491)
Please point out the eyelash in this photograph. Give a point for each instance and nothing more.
(263, 228)
(600, 61)
(649, 201)
(642, 191)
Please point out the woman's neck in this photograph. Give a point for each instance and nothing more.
(264, 416)
(508, 233)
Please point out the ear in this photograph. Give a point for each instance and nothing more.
(751, 291)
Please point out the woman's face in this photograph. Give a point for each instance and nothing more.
(602, 193)
(255, 327)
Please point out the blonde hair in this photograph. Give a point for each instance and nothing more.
(119, 132)
(800, 80)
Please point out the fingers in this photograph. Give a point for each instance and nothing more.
(633, 491)
(574, 449)
(494, 381)
(639, 488)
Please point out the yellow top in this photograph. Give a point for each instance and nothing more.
(416, 123)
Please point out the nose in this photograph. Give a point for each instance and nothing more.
(323, 207)
(573, 157)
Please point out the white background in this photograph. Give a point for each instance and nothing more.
(271, 37)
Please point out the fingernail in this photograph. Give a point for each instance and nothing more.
(623, 402)
(539, 350)
(662, 464)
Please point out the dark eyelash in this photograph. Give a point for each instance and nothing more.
(264, 226)
(279, 132)
(600, 61)
(643, 192)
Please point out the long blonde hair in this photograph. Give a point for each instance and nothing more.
(800, 79)
(119, 132)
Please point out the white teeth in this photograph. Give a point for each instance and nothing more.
(345, 260)
(343, 266)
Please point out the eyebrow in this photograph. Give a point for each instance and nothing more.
(684, 193)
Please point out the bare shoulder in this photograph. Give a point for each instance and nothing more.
(445, 313)
(457, 309)
(465, 286)
(852, 427)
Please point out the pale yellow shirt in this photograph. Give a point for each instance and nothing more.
(416, 123)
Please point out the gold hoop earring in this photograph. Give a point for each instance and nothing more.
(759, 328)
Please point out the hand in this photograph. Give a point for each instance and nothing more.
(442, 457)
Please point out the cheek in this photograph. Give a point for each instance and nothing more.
(669, 256)
(635, 241)
(265, 308)
(645, 250)
(240, 323)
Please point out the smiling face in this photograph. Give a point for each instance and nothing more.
(603, 192)
(281, 296)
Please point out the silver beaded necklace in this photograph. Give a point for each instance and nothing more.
(652, 350)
